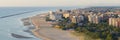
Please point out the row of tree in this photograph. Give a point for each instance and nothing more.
(96, 31)
(102, 31)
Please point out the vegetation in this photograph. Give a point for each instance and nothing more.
(102, 30)
(66, 24)
(95, 31)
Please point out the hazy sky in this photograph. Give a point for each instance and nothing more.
(42, 3)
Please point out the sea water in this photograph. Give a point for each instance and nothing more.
(13, 24)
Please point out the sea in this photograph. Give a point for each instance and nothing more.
(10, 20)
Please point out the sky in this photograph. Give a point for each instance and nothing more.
(57, 3)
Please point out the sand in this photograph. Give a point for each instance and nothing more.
(45, 31)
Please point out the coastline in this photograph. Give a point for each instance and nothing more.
(31, 21)
(45, 31)
(36, 30)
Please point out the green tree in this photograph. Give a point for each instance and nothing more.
(71, 25)
(109, 37)
(78, 29)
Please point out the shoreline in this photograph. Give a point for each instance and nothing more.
(35, 31)
(45, 31)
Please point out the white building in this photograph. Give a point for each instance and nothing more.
(90, 18)
(94, 18)
(74, 19)
(55, 16)
(51, 15)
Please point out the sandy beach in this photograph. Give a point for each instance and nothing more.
(45, 31)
